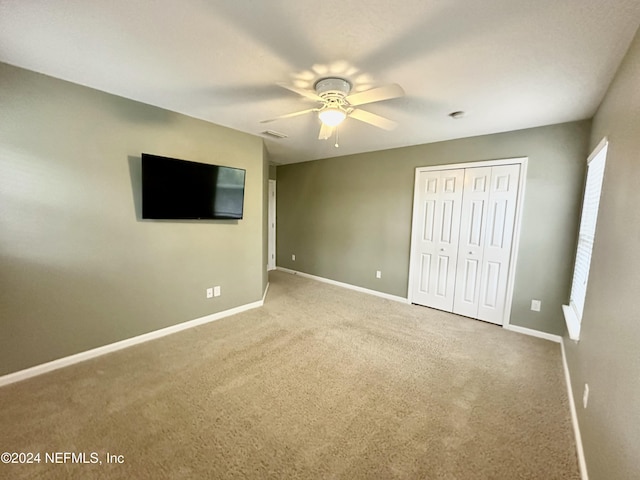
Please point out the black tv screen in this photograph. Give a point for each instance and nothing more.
(181, 190)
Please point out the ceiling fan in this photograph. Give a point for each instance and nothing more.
(336, 104)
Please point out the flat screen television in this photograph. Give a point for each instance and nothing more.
(174, 189)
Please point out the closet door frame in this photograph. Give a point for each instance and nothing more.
(522, 161)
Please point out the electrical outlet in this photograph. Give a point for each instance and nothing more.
(209, 292)
(216, 291)
(585, 395)
(378, 274)
(293, 257)
(535, 305)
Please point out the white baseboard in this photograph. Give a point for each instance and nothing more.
(113, 347)
(572, 404)
(533, 333)
(264, 295)
(574, 418)
(346, 285)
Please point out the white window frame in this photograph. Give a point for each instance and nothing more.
(590, 202)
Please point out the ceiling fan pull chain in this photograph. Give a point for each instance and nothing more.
(336, 144)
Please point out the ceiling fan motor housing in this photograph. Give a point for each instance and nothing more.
(333, 91)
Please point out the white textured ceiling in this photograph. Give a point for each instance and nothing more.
(509, 64)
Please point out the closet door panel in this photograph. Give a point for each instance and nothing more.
(439, 198)
(500, 222)
(473, 216)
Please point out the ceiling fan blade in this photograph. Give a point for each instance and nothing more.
(373, 119)
(376, 94)
(289, 115)
(325, 132)
(301, 91)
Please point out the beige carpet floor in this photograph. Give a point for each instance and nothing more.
(320, 383)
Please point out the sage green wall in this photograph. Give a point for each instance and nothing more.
(346, 217)
(273, 172)
(607, 356)
(79, 268)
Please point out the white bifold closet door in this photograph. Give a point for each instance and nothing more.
(436, 238)
(486, 234)
(473, 209)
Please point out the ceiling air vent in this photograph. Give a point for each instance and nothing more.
(275, 134)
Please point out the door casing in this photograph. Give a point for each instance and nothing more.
(271, 249)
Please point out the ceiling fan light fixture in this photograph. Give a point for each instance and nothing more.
(332, 116)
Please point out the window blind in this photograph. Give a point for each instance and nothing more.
(590, 203)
